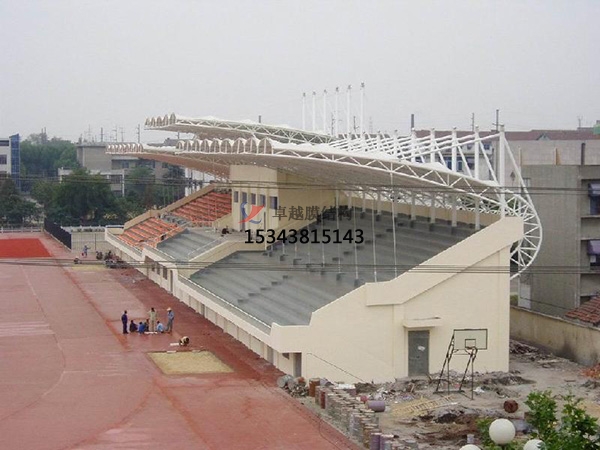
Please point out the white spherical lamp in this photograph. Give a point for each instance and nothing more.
(533, 444)
(469, 447)
(502, 431)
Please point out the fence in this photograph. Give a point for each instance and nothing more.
(58, 232)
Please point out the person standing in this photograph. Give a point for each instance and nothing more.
(152, 316)
(85, 251)
(124, 321)
(170, 318)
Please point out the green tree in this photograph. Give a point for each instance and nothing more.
(82, 198)
(174, 183)
(42, 158)
(15, 210)
(44, 191)
(575, 430)
(139, 186)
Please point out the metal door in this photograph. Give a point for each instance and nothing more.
(297, 364)
(418, 353)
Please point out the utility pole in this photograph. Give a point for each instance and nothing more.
(314, 111)
(304, 111)
(325, 111)
(101, 134)
(412, 121)
(579, 119)
(138, 133)
(122, 138)
(473, 122)
(497, 124)
(116, 130)
(362, 108)
(348, 92)
(337, 112)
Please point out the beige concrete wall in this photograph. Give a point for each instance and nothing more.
(576, 342)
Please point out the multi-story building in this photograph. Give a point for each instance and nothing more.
(562, 170)
(93, 156)
(566, 272)
(10, 157)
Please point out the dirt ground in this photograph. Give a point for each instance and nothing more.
(443, 421)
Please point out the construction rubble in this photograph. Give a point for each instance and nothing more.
(410, 414)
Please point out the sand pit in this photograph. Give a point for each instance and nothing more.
(185, 363)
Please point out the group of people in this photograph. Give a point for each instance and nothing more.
(150, 325)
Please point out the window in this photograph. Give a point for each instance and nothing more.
(263, 200)
(244, 197)
(253, 199)
(165, 273)
(236, 196)
(273, 203)
(593, 249)
(594, 193)
(3, 159)
(125, 165)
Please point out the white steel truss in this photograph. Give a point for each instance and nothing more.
(466, 173)
(229, 128)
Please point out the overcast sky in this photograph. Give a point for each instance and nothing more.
(71, 65)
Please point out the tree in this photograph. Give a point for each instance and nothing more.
(42, 158)
(576, 429)
(83, 198)
(139, 186)
(43, 191)
(15, 210)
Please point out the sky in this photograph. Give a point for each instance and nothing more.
(75, 67)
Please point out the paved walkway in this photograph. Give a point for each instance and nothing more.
(70, 379)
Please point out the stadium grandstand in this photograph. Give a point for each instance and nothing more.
(353, 258)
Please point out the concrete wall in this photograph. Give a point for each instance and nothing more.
(578, 343)
(559, 213)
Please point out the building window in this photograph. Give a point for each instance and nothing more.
(273, 204)
(593, 249)
(244, 197)
(594, 193)
(165, 273)
(3, 159)
(253, 199)
(236, 196)
(125, 165)
(263, 200)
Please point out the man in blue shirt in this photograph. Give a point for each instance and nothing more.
(170, 317)
(124, 321)
(160, 328)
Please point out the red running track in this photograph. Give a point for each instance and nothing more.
(69, 379)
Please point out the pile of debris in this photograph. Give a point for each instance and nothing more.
(296, 387)
(592, 372)
(519, 348)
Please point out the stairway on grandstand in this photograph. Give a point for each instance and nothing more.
(149, 231)
(286, 283)
(176, 227)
